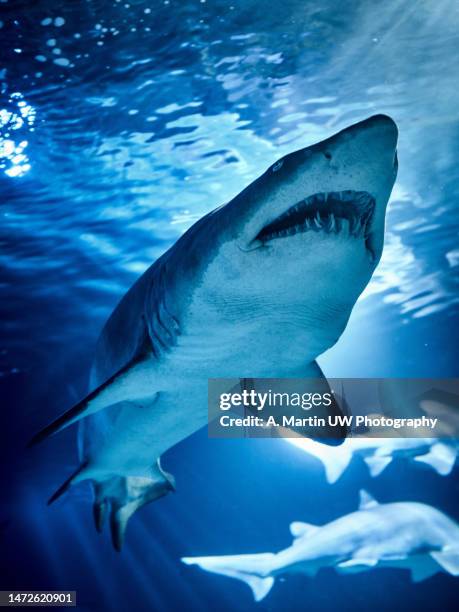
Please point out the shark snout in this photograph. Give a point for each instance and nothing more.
(342, 182)
(369, 143)
(374, 142)
(384, 128)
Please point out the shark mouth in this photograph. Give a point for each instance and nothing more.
(329, 212)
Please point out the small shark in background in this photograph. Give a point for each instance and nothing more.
(439, 453)
(405, 535)
(379, 452)
(258, 287)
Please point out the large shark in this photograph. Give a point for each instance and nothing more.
(405, 535)
(378, 453)
(259, 287)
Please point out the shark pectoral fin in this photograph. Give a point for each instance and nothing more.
(331, 435)
(251, 569)
(448, 559)
(299, 529)
(357, 564)
(376, 465)
(366, 500)
(334, 429)
(441, 458)
(130, 383)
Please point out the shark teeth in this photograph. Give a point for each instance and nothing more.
(331, 212)
(331, 223)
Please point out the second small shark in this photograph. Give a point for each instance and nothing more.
(378, 453)
(404, 535)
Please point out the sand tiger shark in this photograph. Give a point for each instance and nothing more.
(400, 398)
(405, 535)
(258, 287)
(378, 453)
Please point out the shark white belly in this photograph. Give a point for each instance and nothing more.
(257, 288)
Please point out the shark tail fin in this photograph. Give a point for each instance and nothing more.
(254, 570)
(121, 496)
(448, 559)
(67, 484)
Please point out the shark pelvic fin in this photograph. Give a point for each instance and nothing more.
(121, 496)
(448, 559)
(65, 486)
(441, 458)
(299, 529)
(366, 500)
(251, 569)
(116, 389)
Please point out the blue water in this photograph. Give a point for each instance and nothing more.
(123, 122)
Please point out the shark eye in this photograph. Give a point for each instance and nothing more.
(328, 155)
(278, 165)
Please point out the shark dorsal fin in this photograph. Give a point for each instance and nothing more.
(298, 529)
(366, 500)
